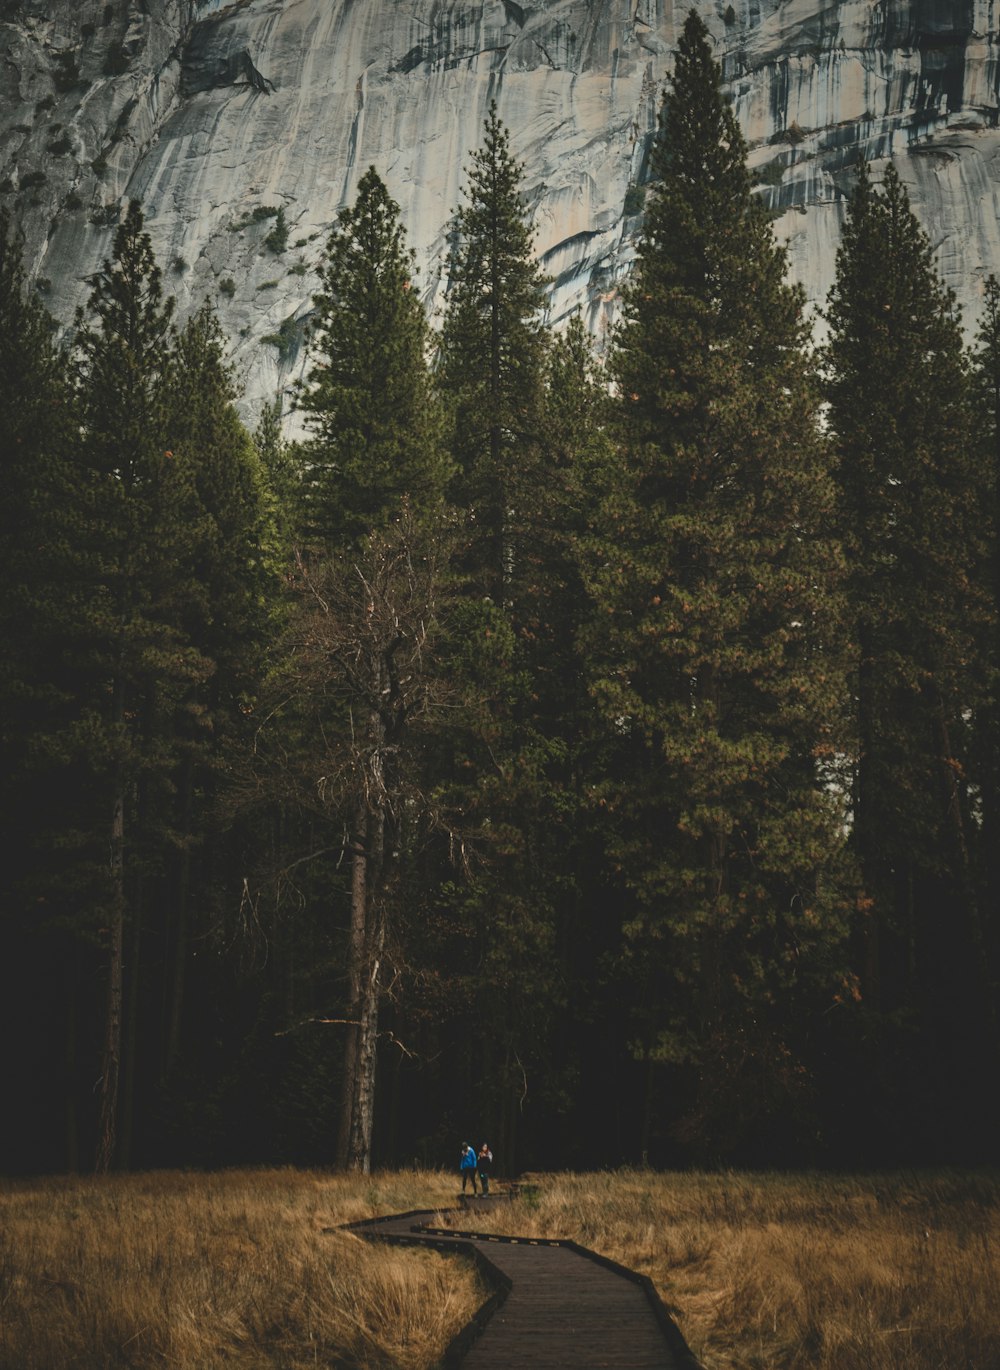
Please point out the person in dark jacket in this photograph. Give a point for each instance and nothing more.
(485, 1163)
(467, 1166)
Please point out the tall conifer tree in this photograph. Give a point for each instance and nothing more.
(142, 520)
(913, 526)
(374, 477)
(368, 399)
(716, 630)
(985, 765)
(491, 360)
(491, 374)
(223, 600)
(43, 609)
(40, 582)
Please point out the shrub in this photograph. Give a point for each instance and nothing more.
(115, 61)
(770, 173)
(635, 198)
(67, 72)
(255, 216)
(285, 338)
(277, 240)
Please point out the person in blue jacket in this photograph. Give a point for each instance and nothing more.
(467, 1166)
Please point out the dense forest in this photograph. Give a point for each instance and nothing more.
(598, 757)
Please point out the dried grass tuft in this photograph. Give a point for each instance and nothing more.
(231, 1269)
(797, 1272)
(235, 1270)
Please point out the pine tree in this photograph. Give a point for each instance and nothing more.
(282, 478)
(374, 476)
(715, 635)
(36, 498)
(912, 524)
(507, 760)
(492, 347)
(985, 760)
(222, 600)
(43, 603)
(368, 397)
(142, 519)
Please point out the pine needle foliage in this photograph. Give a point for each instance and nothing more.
(491, 354)
(986, 749)
(914, 500)
(716, 633)
(368, 398)
(898, 387)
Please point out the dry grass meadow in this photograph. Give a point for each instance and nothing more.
(798, 1272)
(230, 1269)
(234, 1269)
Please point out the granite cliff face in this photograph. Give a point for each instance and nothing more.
(217, 115)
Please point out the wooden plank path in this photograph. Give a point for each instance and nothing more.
(555, 1306)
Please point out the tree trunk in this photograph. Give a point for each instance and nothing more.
(865, 802)
(363, 1111)
(956, 821)
(178, 959)
(363, 1103)
(130, 1034)
(355, 969)
(72, 1123)
(111, 1062)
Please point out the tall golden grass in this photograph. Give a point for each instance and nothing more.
(762, 1272)
(231, 1269)
(796, 1272)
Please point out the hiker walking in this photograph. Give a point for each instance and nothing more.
(485, 1164)
(467, 1166)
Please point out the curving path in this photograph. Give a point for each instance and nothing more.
(555, 1306)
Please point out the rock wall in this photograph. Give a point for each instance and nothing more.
(217, 115)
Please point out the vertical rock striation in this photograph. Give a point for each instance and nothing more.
(218, 115)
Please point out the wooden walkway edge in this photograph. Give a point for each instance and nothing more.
(562, 1304)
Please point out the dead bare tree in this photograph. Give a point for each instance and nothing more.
(361, 664)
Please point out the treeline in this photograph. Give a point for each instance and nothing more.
(601, 760)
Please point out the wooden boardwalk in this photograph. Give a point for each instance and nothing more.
(555, 1305)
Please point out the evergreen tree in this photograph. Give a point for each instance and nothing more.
(282, 479)
(142, 521)
(985, 759)
(374, 476)
(715, 635)
(509, 760)
(37, 585)
(43, 602)
(912, 523)
(368, 398)
(491, 361)
(223, 601)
